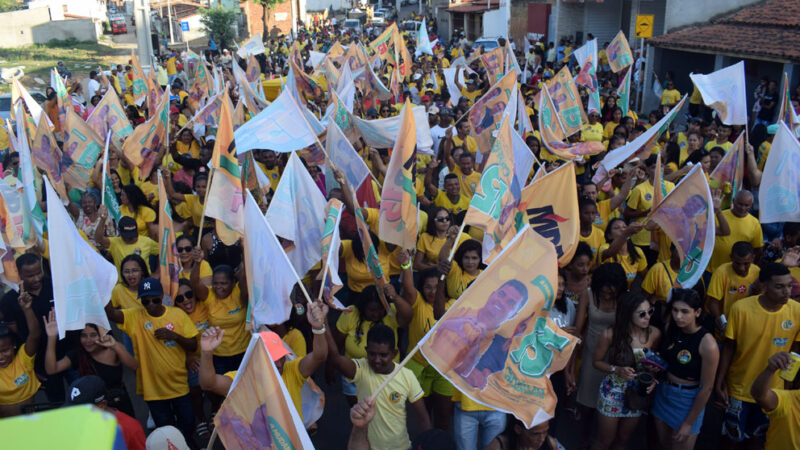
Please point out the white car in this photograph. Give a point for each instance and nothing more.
(378, 18)
(5, 103)
(488, 44)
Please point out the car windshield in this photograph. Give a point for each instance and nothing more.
(487, 45)
(5, 104)
(410, 26)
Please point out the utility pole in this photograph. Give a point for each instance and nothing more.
(141, 10)
(169, 19)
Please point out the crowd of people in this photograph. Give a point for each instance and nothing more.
(681, 364)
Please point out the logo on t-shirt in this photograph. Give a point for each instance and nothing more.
(394, 397)
(137, 251)
(22, 379)
(742, 289)
(780, 342)
(787, 324)
(148, 325)
(169, 326)
(684, 356)
(648, 196)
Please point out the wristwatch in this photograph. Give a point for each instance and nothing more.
(613, 369)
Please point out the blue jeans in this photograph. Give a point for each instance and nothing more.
(476, 429)
(175, 411)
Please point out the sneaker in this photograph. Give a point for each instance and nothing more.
(202, 429)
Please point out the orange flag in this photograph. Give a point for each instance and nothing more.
(496, 344)
(398, 216)
(139, 86)
(168, 262)
(47, 156)
(143, 145)
(494, 63)
(485, 115)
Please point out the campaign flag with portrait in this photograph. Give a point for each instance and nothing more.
(484, 117)
(725, 92)
(110, 115)
(143, 145)
(398, 211)
(729, 173)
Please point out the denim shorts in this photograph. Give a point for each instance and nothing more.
(672, 404)
(744, 420)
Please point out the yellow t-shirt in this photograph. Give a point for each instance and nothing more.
(641, 199)
(143, 216)
(18, 380)
(604, 213)
(430, 246)
(387, 431)
(124, 298)
(660, 279)
(171, 69)
(784, 422)
(467, 183)
(631, 268)
(471, 95)
(162, 364)
(193, 148)
(763, 152)
(200, 319)
(608, 131)
(358, 274)
(458, 280)
(144, 247)
(467, 404)
(759, 334)
(422, 321)
(205, 272)
(725, 145)
(469, 143)
(592, 133)
(461, 205)
(670, 96)
(728, 287)
(194, 208)
(744, 228)
(228, 314)
(3, 138)
(595, 239)
(696, 98)
(296, 341)
(355, 343)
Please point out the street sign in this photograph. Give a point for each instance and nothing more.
(184, 26)
(644, 25)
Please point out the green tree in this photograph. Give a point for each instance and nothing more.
(12, 5)
(220, 24)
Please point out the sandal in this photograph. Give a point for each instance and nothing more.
(202, 429)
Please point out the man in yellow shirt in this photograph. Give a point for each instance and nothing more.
(463, 139)
(670, 97)
(742, 227)
(661, 278)
(758, 326)
(451, 197)
(731, 282)
(638, 205)
(782, 406)
(128, 242)
(593, 236)
(162, 336)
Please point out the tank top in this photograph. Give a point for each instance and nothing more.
(682, 353)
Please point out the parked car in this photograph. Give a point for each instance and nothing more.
(411, 26)
(5, 103)
(488, 43)
(378, 18)
(119, 26)
(352, 25)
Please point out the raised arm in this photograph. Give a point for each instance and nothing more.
(34, 331)
(124, 356)
(618, 242)
(403, 303)
(208, 378)
(761, 390)
(347, 193)
(51, 365)
(100, 231)
(448, 149)
(200, 289)
(616, 201)
(317, 317)
(723, 229)
(176, 197)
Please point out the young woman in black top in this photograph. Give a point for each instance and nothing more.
(692, 356)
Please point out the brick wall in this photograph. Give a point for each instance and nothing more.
(279, 18)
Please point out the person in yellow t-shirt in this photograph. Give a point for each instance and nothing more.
(639, 202)
(466, 264)
(592, 235)
(133, 203)
(742, 226)
(723, 134)
(450, 198)
(463, 139)
(758, 327)
(267, 160)
(592, 131)
(661, 278)
(193, 203)
(430, 243)
(128, 242)
(187, 144)
(782, 406)
(132, 271)
(387, 430)
(670, 96)
(294, 371)
(18, 381)
(227, 309)
(184, 246)
(620, 249)
(468, 177)
(616, 118)
(162, 336)
(731, 282)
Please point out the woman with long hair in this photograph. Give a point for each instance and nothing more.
(132, 270)
(612, 123)
(619, 354)
(467, 265)
(692, 355)
(576, 273)
(133, 203)
(620, 249)
(430, 243)
(184, 245)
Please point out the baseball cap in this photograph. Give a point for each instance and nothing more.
(446, 112)
(433, 110)
(90, 390)
(274, 345)
(128, 227)
(166, 438)
(150, 287)
(772, 129)
(425, 98)
(174, 110)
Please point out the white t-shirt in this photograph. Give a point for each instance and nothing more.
(93, 88)
(437, 133)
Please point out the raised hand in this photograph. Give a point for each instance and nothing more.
(50, 325)
(107, 341)
(317, 314)
(211, 339)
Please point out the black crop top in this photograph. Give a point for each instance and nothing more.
(682, 353)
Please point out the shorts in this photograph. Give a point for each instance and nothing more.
(349, 388)
(193, 378)
(611, 398)
(225, 364)
(430, 379)
(673, 403)
(744, 420)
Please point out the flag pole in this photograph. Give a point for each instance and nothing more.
(212, 440)
(105, 170)
(324, 277)
(397, 368)
(205, 198)
(455, 245)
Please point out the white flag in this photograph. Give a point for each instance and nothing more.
(82, 279)
(423, 42)
(279, 127)
(588, 49)
(297, 213)
(778, 195)
(252, 46)
(382, 133)
(724, 90)
(344, 157)
(270, 275)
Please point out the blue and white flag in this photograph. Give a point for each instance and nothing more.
(344, 157)
(279, 127)
(423, 42)
(780, 183)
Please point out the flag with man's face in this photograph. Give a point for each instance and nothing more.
(398, 213)
(82, 146)
(729, 173)
(109, 115)
(143, 145)
(484, 117)
(47, 156)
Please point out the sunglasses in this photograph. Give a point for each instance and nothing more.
(147, 300)
(184, 249)
(648, 313)
(442, 219)
(181, 297)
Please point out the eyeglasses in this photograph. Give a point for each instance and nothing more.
(442, 219)
(147, 300)
(184, 249)
(181, 297)
(131, 271)
(648, 313)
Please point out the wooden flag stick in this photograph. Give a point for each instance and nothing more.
(212, 439)
(324, 277)
(396, 370)
(455, 245)
(105, 170)
(205, 199)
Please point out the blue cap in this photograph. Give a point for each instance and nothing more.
(150, 287)
(772, 129)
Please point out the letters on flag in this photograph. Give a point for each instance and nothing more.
(258, 411)
(778, 194)
(270, 275)
(82, 146)
(139, 85)
(686, 215)
(730, 170)
(296, 213)
(83, 282)
(168, 262)
(619, 53)
(398, 213)
(724, 91)
(496, 344)
(143, 145)
(551, 204)
(485, 115)
(567, 101)
(383, 44)
(252, 46)
(280, 127)
(553, 134)
(107, 116)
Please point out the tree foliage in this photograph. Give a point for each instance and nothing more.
(12, 5)
(220, 24)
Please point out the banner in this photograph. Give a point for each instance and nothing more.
(330, 252)
(344, 157)
(730, 170)
(494, 63)
(484, 117)
(724, 91)
(398, 212)
(619, 53)
(778, 194)
(270, 275)
(553, 135)
(496, 344)
(382, 133)
(296, 213)
(83, 282)
(47, 156)
(168, 262)
(225, 201)
(139, 85)
(109, 115)
(567, 101)
(686, 215)
(252, 46)
(143, 145)
(258, 412)
(279, 127)
(551, 205)
(82, 146)
(624, 93)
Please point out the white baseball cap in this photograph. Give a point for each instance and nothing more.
(166, 438)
